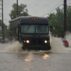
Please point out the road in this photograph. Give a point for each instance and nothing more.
(12, 58)
(35, 62)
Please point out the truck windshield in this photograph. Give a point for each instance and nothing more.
(34, 29)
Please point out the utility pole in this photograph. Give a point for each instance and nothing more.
(65, 17)
(2, 19)
(3, 23)
(17, 9)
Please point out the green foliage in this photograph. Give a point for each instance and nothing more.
(4, 29)
(56, 20)
(69, 18)
(22, 11)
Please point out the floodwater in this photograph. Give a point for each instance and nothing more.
(13, 58)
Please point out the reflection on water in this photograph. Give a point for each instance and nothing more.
(45, 56)
(29, 57)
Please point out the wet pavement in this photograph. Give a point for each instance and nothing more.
(35, 62)
(13, 58)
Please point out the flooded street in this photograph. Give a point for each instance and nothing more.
(35, 62)
(35, 35)
(13, 58)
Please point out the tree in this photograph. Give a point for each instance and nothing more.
(57, 21)
(4, 27)
(22, 11)
(69, 18)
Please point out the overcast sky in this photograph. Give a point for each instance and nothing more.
(35, 7)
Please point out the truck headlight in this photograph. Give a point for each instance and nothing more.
(27, 41)
(45, 41)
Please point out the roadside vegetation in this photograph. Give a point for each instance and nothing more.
(56, 21)
(22, 11)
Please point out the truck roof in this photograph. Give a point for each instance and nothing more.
(27, 17)
(30, 20)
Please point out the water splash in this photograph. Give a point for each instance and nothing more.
(13, 47)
